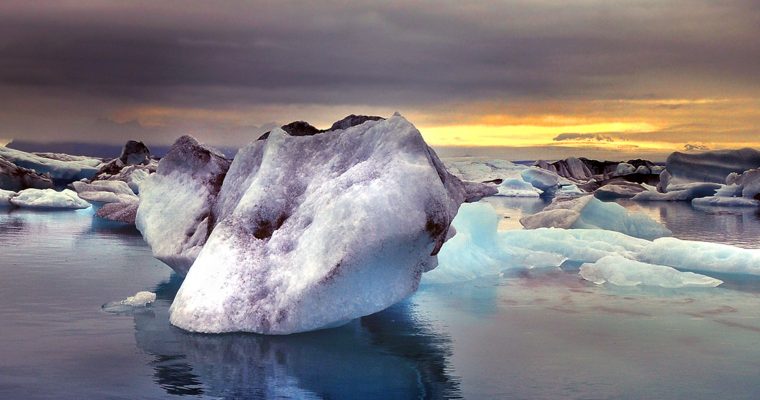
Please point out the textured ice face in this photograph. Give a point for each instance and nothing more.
(105, 192)
(314, 231)
(49, 199)
(710, 166)
(590, 213)
(175, 214)
(59, 167)
(621, 271)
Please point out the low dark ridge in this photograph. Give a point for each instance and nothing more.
(303, 128)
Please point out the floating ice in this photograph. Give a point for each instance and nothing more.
(625, 169)
(476, 251)
(60, 167)
(684, 192)
(569, 190)
(314, 231)
(175, 215)
(48, 199)
(13, 177)
(124, 212)
(721, 201)
(621, 271)
(105, 192)
(702, 256)
(710, 166)
(140, 299)
(5, 198)
(618, 189)
(482, 170)
(541, 179)
(516, 187)
(590, 213)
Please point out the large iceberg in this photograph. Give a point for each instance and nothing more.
(307, 232)
(590, 213)
(175, 215)
(60, 167)
(48, 199)
(620, 271)
(710, 166)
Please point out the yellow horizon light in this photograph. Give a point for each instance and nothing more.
(480, 135)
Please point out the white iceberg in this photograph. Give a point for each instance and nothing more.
(590, 213)
(49, 199)
(621, 271)
(175, 214)
(59, 167)
(314, 231)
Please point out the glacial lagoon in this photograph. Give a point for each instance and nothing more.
(538, 334)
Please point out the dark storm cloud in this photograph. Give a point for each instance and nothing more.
(386, 54)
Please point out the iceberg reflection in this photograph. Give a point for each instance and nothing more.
(392, 354)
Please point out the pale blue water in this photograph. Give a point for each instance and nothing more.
(530, 335)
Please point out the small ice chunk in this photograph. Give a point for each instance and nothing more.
(620, 271)
(140, 299)
(49, 199)
(719, 201)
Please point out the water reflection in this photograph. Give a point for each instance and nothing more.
(392, 354)
(739, 226)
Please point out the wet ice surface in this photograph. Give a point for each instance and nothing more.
(543, 334)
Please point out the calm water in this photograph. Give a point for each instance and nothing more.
(537, 335)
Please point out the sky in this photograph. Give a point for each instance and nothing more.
(520, 77)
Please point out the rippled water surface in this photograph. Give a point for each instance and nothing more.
(536, 335)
